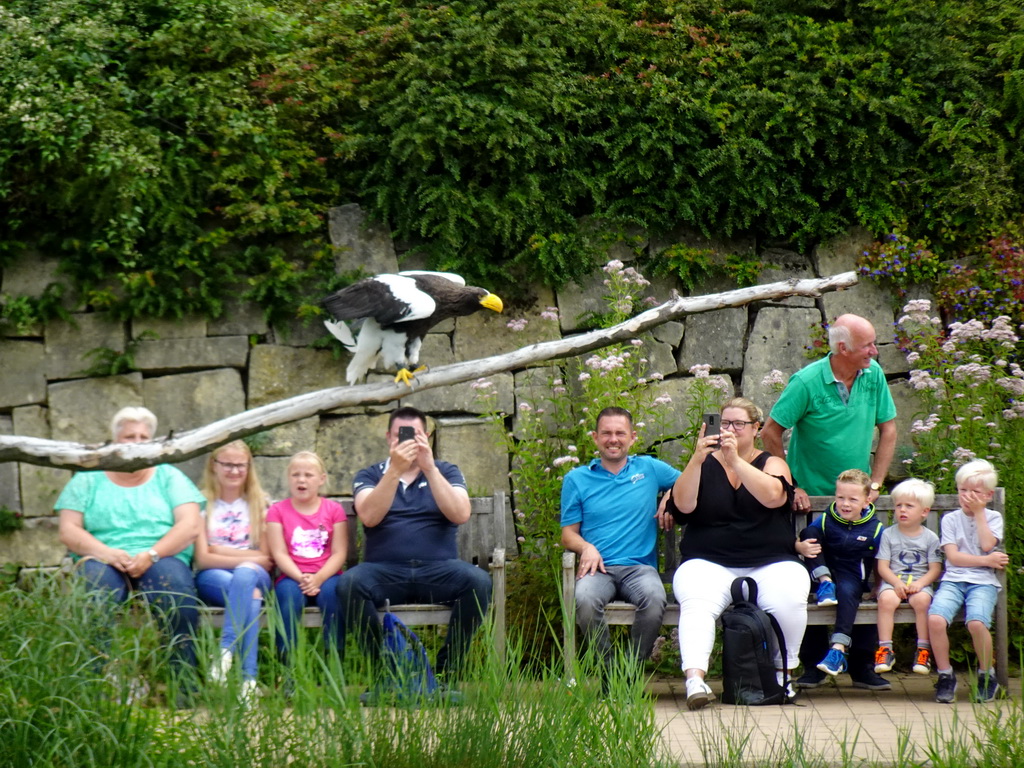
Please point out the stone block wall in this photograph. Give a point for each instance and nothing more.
(195, 371)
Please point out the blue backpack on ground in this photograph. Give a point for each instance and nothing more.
(748, 656)
(408, 677)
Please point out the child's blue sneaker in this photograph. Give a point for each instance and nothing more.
(827, 593)
(834, 662)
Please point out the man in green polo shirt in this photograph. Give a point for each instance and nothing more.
(832, 407)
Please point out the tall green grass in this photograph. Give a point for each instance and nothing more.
(58, 709)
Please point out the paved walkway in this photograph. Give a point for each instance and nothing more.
(831, 725)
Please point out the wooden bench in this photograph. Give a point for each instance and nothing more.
(481, 542)
(622, 613)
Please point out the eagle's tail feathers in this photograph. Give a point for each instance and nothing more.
(342, 333)
(365, 351)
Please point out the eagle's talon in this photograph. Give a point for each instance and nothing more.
(405, 376)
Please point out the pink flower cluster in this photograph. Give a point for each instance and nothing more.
(1001, 331)
(565, 460)
(628, 275)
(923, 380)
(972, 372)
(610, 363)
(700, 371)
(925, 426)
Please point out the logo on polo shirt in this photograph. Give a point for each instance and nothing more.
(638, 476)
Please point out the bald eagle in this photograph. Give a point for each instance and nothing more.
(396, 312)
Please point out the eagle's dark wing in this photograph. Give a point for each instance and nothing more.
(388, 299)
(397, 311)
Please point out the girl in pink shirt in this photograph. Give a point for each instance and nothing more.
(308, 542)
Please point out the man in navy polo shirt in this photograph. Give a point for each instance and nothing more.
(410, 507)
(609, 510)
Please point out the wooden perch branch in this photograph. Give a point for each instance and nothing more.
(186, 445)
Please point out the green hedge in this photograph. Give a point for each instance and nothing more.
(168, 150)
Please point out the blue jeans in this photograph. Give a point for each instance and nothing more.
(167, 586)
(638, 584)
(365, 588)
(291, 602)
(977, 600)
(233, 590)
(849, 591)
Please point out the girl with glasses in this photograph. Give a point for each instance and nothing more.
(233, 558)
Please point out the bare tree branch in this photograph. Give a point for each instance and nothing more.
(186, 445)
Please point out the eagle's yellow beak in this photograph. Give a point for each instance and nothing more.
(492, 302)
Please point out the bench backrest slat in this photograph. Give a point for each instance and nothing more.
(486, 530)
(944, 502)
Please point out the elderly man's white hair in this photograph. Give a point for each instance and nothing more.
(132, 413)
(839, 334)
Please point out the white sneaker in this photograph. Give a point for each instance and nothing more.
(249, 694)
(698, 694)
(128, 691)
(220, 667)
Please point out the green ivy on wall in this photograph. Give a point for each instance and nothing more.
(178, 155)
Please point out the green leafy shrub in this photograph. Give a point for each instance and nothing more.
(694, 266)
(184, 153)
(10, 520)
(987, 283)
(901, 262)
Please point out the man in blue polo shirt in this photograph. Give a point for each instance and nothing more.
(410, 506)
(609, 510)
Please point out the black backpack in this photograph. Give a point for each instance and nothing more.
(748, 659)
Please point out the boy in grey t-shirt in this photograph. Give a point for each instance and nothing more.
(909, 562)
(970, 537)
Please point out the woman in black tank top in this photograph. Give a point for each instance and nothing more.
(735, 501)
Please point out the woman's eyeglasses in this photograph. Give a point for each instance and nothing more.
(232, 467)
(737, 425)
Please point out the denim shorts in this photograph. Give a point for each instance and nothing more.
(980, 601)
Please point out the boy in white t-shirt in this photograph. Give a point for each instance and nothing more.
(909, 563)
(969, 539)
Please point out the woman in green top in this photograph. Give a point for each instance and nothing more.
(133, 531)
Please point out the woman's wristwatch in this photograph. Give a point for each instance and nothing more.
(153, 555)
